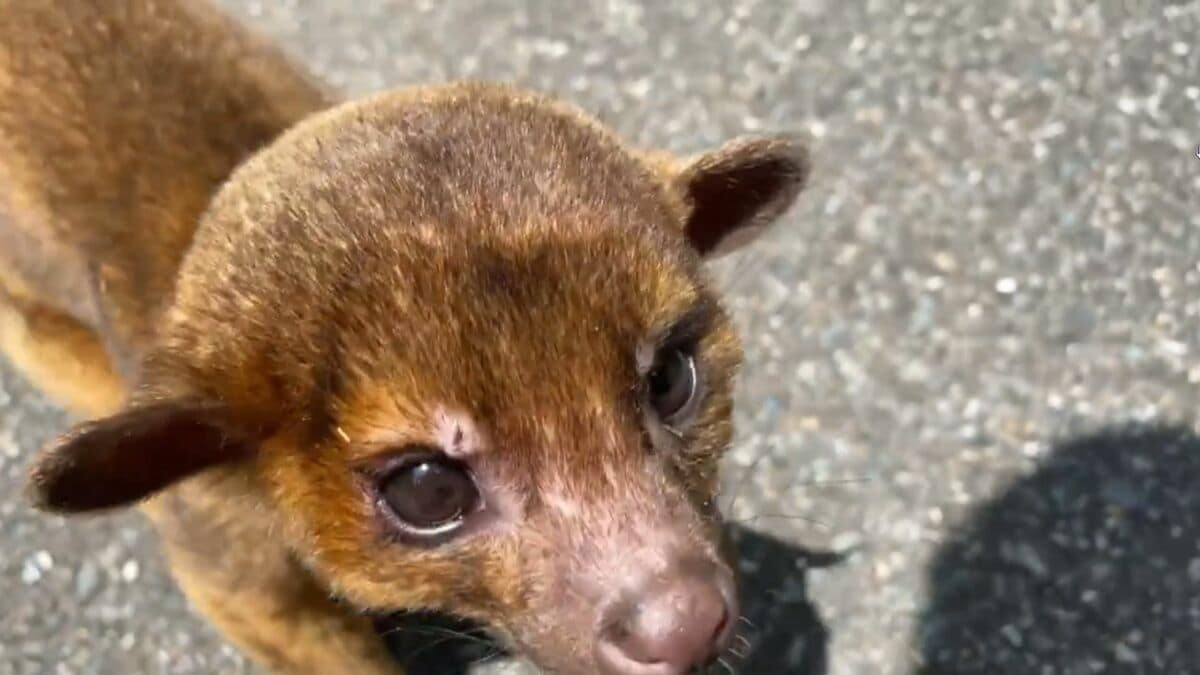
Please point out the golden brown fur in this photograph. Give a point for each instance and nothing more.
(253, 302)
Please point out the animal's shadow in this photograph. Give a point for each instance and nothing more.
(1089, 565)
(781, 630)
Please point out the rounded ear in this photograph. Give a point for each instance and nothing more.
(124, 458)
(738, 190)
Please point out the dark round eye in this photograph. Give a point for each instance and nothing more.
(431, 495)
(672, 382)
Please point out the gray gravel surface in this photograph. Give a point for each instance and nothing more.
(994, 274)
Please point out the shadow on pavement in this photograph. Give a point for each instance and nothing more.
(1089, 565)
(782, 629)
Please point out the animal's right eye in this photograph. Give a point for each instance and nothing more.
(431, 495)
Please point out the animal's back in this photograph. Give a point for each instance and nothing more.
(118, 121)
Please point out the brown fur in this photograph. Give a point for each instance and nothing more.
(468, 257)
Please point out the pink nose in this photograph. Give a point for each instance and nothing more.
(669, 624)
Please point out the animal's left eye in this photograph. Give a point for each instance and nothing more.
(671, 382)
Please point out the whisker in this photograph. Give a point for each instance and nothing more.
(733, 276)
(485, 658)
(415, 629)
(446, 634)
(425, 648)
(836, 481)
(830, 482)
(782, 516)
(746, 474)
(449, 635)
(466, 635)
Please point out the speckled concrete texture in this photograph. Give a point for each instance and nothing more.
(971, 349)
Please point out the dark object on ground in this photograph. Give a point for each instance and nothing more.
(1090, 564)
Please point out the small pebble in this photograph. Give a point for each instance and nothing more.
(129, 571)
(87, 581)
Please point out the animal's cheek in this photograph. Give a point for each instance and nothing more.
(461, 580)
(551, 617)
(312, 497)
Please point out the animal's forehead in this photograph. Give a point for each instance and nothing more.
(518, 343)
(541, 290)
(619, 277)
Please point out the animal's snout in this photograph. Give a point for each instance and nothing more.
(668, 623)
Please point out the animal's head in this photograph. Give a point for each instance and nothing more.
(463, 342)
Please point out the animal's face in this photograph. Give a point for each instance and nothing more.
(530, 439)
(496, 389)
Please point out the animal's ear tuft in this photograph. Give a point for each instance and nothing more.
(129, 456)
(736, 191)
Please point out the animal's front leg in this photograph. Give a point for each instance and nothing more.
(290, 634)
(264, 602)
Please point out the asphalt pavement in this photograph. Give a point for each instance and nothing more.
(968, 422)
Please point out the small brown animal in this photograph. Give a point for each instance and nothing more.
(450, 347)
